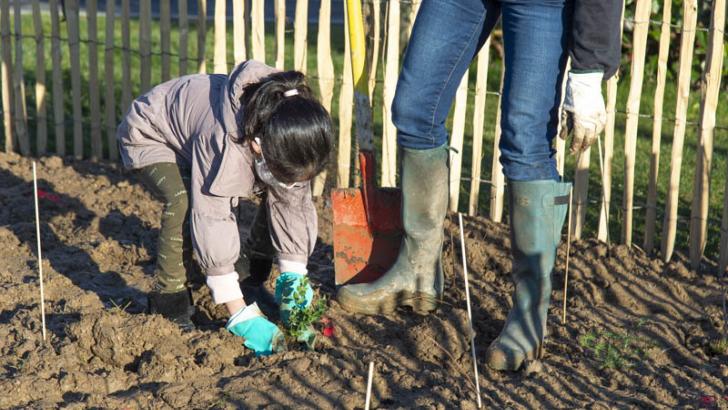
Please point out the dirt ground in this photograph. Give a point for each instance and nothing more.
(99, 229)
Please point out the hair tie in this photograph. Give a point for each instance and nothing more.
(290, 93)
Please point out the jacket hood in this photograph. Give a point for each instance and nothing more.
(244, 74)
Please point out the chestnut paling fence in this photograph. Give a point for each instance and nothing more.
(389, 23)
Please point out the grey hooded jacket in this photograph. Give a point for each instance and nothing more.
(193, 121)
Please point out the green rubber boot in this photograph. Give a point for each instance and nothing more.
(537, 213)
(416, 278)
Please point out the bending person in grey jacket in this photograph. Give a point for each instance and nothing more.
(203, 141)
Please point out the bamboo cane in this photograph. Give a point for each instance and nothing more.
(184, 32)
(145, 44)
(325, 67)
(220, 49)
(74, 46)
(257, 27)
(110, 97)
(346, 97)
(376, 40)
(41, 126)
(93, 80)
(6, 72)
(651, 216)
(300, 36)
(639, 43)
(125, 57)
(370, 376)
(21, 115)
(467, 299)
(497, 187)
(202, 35)
(481, 84)
(165, 39)
(690, 12)
(456, 141)
(280, 6)
(40, 256)
(391, 72)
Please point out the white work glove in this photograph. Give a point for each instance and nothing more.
(584, 111)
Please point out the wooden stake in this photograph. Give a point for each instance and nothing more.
(93, 81)
(145, 44)
(481, 84)
(257, 27)
(220, 52)
(391, 72)
(239, 31)
(164, 34)
(708, 107)
(75, 50)
(125, 57)
(40, 256)
(6, 72)
(280, 6)
(604, 197)
(568, 252)
(41, 115)
(59, 118)
(470, 313)
(109, 96)
(21, 115)
(325, 67)
(651, 216)
(497, 177)
(456, 141)
(369, 386)
(376, 36)
(581, 188)
(300, 36)
(184, 33)
(202, 35)
(346, 98)
(690, 14)
(639, 42)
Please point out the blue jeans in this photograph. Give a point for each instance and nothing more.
(446, 36)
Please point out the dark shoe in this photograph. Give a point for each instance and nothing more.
(416, 278)
(176, 307)
(537, 213)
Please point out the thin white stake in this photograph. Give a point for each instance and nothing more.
(601, 170)
(40, 258)
(568, 251)
(470, 315)
(369, 386)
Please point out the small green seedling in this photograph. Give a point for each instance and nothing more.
(614, 350)
(301, 319)
(719, 346)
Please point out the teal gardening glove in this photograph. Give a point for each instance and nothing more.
(261, 336)
(286, 286)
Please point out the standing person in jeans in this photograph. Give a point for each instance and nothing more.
(538, 36)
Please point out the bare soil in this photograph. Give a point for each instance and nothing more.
(99, 229)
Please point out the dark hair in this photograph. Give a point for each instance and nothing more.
(295, 131)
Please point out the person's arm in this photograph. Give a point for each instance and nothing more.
(293, 226)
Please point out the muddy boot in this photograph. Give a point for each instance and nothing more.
(416, 278)
(176, 307)
(537, 213)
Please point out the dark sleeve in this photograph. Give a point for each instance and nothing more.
(596, 43)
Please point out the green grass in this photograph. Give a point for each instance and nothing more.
(615, 350)
(720, 157)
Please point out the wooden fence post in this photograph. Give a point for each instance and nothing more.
(184, 32)
(257, 27)
(125, 58)
(580, 193)
(690, 14)
(708, 107)
(639, 43)
(497, 178)
(456, 141)
(220, 52)
(109, 97)
(40, 84)
(280, 6)
(238, 31)
(481, 85)
(325, 67)
(74, 47)
(346, 101)
(651, 208)
(164, 33)
(93, 80)
(300, 36)
(21, 115)
(145, 44)
(391, 72)
(201, 35)
(58, 108)
(7, 76)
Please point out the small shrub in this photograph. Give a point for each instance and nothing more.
(302, 319)
(615, 350)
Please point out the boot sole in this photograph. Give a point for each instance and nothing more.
(421, 303)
